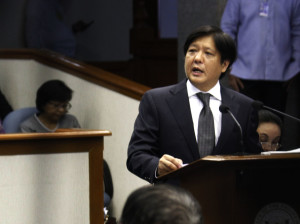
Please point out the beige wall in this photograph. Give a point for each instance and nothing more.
(94, 106)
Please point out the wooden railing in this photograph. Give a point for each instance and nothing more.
(80, 69)
(64, 141)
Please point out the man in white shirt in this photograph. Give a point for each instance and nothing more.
(165, 133)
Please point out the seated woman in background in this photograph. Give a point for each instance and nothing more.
(53, 103)
(269, 130)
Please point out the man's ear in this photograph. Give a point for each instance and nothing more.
(225, 65)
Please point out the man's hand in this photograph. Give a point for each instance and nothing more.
(235, 82)
(168, 163)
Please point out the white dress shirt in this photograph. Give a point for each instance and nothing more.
(196, 106)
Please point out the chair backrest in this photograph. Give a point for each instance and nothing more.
(12, 121)
(108, 184)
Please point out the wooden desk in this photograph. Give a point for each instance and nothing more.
(66, 141)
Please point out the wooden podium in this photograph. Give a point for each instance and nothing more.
(66, 141)
(251, 189)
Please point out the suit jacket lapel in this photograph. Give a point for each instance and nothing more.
(227, 122)
(179, 105)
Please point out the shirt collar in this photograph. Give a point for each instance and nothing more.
(215, 91)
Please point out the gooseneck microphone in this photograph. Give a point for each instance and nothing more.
(259, 105)
(225, 109)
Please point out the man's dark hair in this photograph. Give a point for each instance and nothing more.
(161, 204)
(224, 43)
(53, 90)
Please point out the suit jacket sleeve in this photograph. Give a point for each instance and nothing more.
(143, 150)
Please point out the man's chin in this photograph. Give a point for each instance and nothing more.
(197, 80)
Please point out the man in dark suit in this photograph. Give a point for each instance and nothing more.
(166, 130)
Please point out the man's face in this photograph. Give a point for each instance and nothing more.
(203, 63)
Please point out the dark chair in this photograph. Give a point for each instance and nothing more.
(108, 184)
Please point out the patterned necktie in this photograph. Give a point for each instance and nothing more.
(206, 130)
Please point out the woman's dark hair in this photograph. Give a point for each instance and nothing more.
(53, 90)
(161, 204)
(267, 116)
(224, 43)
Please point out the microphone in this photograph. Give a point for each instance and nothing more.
(225, 109)
(259, 105)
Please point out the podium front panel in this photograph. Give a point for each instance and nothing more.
(244, 189)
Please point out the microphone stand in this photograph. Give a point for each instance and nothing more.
(225, 109)
(257, 105)
(281, 113)
(241, 132)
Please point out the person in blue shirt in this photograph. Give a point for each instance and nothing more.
(46, 29)
(267, 33)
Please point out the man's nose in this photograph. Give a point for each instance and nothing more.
(199, 57)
